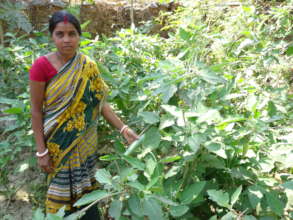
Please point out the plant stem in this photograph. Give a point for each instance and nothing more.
(95, 202)
(1, 34)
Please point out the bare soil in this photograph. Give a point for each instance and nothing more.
(24, 190)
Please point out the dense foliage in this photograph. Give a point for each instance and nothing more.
(213, 104)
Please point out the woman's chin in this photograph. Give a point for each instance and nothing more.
(68, 51)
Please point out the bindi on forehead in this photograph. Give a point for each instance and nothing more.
(65, 19)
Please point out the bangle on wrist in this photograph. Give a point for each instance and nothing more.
(42, 154)
(123, 128)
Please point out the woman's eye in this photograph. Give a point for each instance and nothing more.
(72, 34)
(59, 34)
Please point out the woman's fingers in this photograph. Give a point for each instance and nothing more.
(130, 136)
(46, 164)
(47, 169)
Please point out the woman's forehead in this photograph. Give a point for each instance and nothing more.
(61, 26)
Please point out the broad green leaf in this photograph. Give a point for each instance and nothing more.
(61, 212)
(222, 125)
(149, 117)
(276, 205)
(289, 51)
(150, 166)
(134, 162)
(6, 144)
(171, 65)
(14, 110)
(268, 217)
(170, 159)
(115, 209)
(166, 121)
(213, 217)
(165, 200)
(105, 72)
(211, 77)
(211, 116)
(249, 217)
(254, 196)
(236, 195)
(92, 196)
(217, 149)
(137, 185)
(74, 216)
(177, 211)
(272, 110)
(288, 185)
(85, 34)
(11, 127)
(191, 192)
(153, 209)
(173, 110)
(220, 197)
(229, 216)
(85, 42)
(168, 93)
(135, 205)
(103, 176)
(9, 101)
(38, 215)
(51, 216)
(194, 142)
(266, 165)
(172, 172)
(153, 181)
(119, 147)
(152, 138)
(126, 173)
(185, 35)
(251, 102)
(109, 157)
(283, 155)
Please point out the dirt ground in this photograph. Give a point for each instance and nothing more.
(17, 210)
(24, 191)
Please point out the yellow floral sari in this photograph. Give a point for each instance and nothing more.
(73, 99)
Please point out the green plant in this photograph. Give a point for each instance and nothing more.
(12, 15)
(217, 110)
(212, 102)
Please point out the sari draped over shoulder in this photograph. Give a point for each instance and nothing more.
(73, 99)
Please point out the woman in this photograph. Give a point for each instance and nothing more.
(67, 95)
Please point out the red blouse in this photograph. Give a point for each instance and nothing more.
(42, 70)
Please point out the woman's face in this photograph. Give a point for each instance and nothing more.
(66, 38)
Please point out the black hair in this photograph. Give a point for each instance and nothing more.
(61, 16)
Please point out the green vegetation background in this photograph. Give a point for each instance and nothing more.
(213, 102)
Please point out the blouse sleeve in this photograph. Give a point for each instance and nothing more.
(36, 72)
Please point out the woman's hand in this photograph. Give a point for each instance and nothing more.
(45, 163)
(130, 135)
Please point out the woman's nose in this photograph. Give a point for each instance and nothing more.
(66, 38)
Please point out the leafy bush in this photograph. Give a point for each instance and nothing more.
(215, 98)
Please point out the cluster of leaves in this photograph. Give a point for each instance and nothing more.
(15, 133)
(12, 17)
(214, 100)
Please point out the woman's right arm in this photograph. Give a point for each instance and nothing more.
(37, 91)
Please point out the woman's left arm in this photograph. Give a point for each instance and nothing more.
(114, 120)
